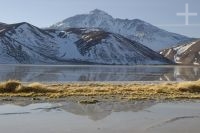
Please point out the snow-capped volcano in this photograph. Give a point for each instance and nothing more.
(137, 30)
(25, 43)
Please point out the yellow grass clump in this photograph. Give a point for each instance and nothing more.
(180, 90)
(192, 87)
(9, 86)
(12, 86)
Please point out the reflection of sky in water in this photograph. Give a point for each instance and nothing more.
(98, 73)
(140, 117)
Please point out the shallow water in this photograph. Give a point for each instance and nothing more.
(71, 73)
(110, 117)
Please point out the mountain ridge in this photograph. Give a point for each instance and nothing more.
(28, 44)
(135, 29)
(185, 54)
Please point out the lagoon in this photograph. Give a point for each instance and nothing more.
(90, 73)
(105, 117)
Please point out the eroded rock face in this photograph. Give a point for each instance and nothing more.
(187, 54)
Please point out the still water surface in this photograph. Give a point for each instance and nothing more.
(73, 73)
(106, 117)
(69, 117)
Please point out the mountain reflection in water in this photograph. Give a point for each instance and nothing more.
(94, 112)
(73, 73)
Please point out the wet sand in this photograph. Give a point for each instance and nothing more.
(104, 117)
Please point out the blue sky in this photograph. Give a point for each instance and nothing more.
(162, 13)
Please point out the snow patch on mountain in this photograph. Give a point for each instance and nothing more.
(136, 30)
(184, 54)
(181, 49)
(27, 44)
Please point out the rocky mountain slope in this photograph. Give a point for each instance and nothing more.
(136, 30)
(186, 54)
(27, 44)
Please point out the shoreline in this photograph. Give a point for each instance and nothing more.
(88, 93)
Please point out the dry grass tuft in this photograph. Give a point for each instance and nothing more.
(192, 87)
(182, 90)
(16, 87)
(9, 86)
(34, 89)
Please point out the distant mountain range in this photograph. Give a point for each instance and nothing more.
(136, 30)
(185, 54)
(27, 44)
(94, 38)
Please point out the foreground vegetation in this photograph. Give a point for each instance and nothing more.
(129, 91)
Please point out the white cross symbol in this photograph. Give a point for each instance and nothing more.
(186, 14)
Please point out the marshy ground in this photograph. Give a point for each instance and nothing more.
(94, 92)
(105, 107)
